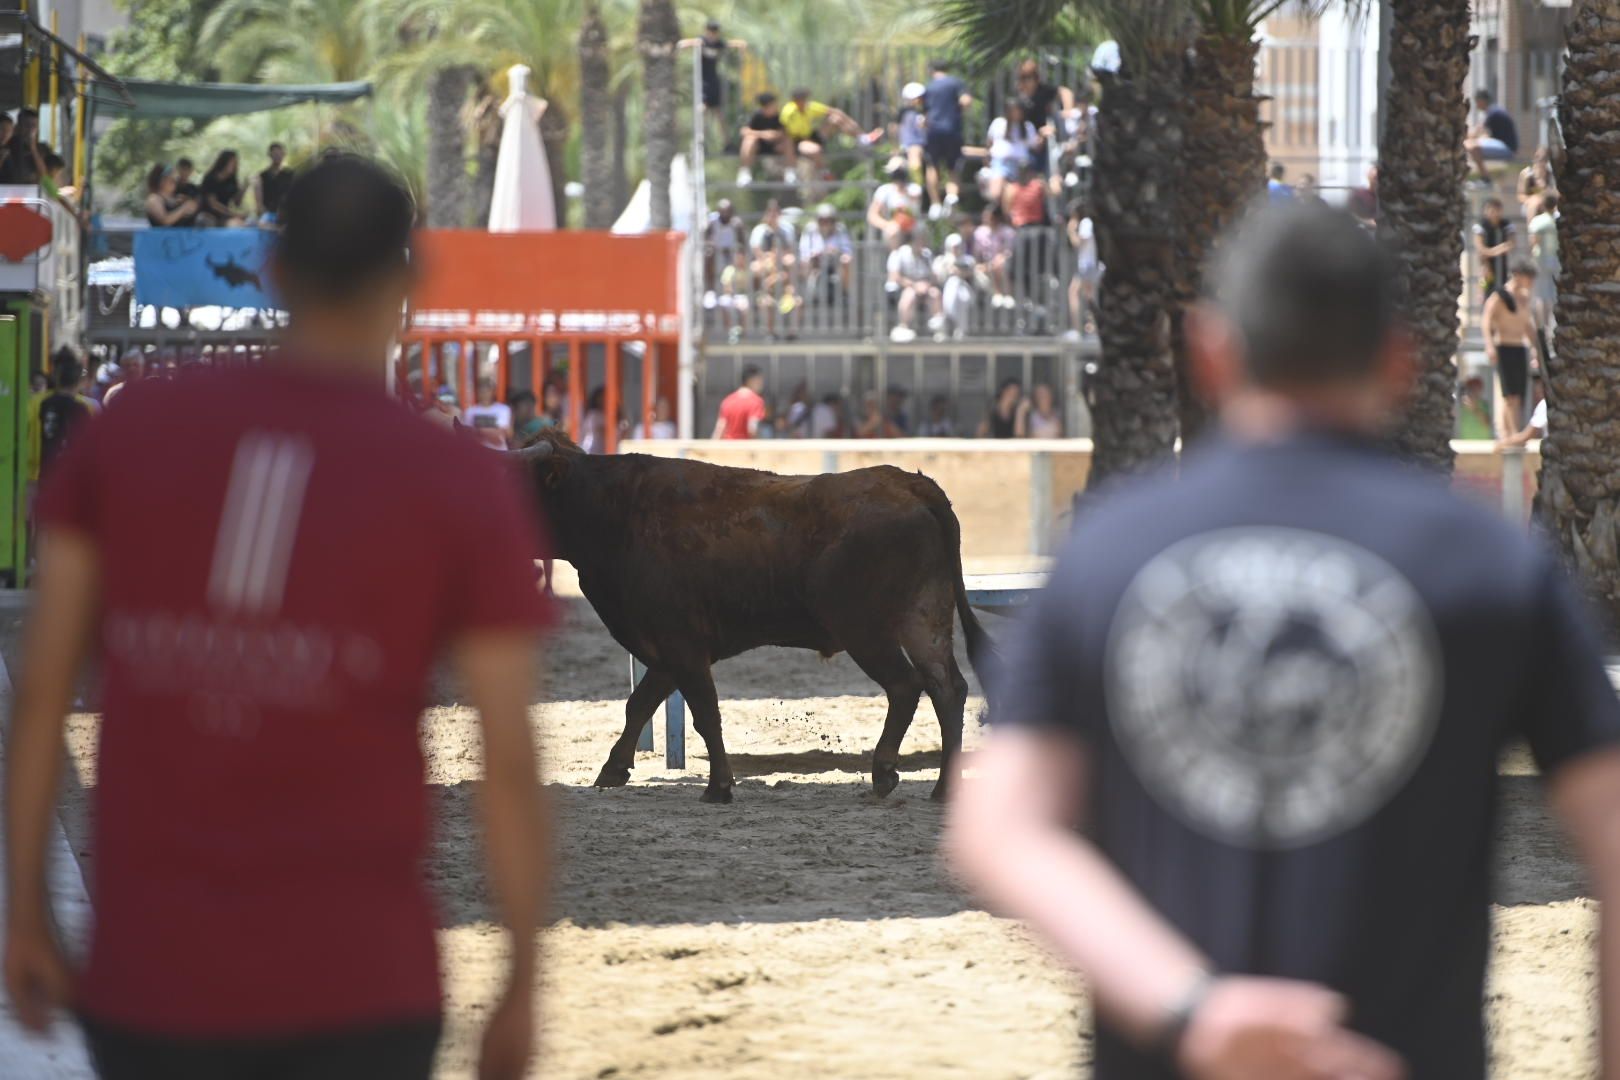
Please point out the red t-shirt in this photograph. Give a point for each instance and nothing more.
(283, 557)
(739, 407)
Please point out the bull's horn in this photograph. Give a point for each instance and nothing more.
(537, 452)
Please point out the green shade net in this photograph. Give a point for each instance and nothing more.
(209, 100)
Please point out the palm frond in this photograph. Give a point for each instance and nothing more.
(986, 34)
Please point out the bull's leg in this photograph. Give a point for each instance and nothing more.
(653, 688)
(698, 686)
(887, 666)
(948, 690)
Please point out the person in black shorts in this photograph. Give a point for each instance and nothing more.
(1242, 766)
(945, 100)
(713, 46)
(1510, 333)
(764, 135)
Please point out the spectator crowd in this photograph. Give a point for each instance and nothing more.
(177, 198)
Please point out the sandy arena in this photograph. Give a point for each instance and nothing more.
(809, 930)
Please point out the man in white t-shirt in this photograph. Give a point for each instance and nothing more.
(895, 205)
(490, 420)
(911, 279)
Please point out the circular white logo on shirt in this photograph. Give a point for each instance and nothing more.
(1271, 687)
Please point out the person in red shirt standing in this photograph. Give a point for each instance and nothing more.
(743, 409)
(268, 593)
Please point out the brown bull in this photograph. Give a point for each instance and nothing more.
(689, 563)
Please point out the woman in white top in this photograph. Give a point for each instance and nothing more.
(1012, 139)
(1038, 416)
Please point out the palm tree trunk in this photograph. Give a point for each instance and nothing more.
(1580, 481)
(554, 129)
(448, 191)
(1225, 152)
(656, 38)
(595, 104)
(1421, 205)
(1139, 147)
(621, 146)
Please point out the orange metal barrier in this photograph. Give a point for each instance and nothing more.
(544, 289)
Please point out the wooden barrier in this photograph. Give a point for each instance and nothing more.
(1013, 497)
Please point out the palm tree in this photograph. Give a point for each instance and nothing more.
(448, 91)
(1139, 155)
(595, 111)
(656, 36)
(1578, 499)
(296, 41)
(1225, 150)
(1421, 203)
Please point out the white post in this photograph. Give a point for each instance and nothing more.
(1040, 503)
(692, 291)
(1513, 484)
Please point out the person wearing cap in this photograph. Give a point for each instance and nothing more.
(895, 204)
(824, 247)
(911, 129)
(713, 46)
(806, 122)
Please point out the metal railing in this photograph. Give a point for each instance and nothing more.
(789, 289)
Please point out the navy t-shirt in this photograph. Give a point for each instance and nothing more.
(1293, 671)
(943, 100)
(1499, 123)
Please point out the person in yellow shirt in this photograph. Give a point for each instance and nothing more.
(806, 123)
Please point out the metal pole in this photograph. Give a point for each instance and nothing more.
(692, 292)
(1513, 484)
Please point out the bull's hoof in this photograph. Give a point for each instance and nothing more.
(716, 795)
(885, 778)
(941, 792)
(612, 776)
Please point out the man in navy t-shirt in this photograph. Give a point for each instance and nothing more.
(1494, 138)
(1272, 692)
(944, 101)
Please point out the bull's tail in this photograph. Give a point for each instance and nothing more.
(981, 653)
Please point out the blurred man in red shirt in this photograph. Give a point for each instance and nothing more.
(268, 593)
(743, 409)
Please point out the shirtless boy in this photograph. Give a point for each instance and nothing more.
(1510, 334)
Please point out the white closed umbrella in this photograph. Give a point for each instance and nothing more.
(522, 200)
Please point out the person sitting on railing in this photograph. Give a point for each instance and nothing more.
(993, 247)
(958, 275)
(827, 254)
(1044, 103)
(1025, 201)
(1012, 140)
(764, 135)
(52, 174)
(895, 206)
(911, 130)
(772, 262)
(911, 280)
(1536, 181)
(947, 100)
(1535, 429)
(163, 208)
(715, 46)
(184, 186)
(222, 192)
(722, 241)
(271, 185)
(806, 122)
(1494, 138)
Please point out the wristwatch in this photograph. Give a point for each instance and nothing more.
(1179, 1016)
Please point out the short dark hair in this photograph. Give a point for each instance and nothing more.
(1482, 95)
(520, 397)
(1549, 201)
(1278, 170)
(345, 222)
(66, 370)
(1310, 291)
(801, 91)
(53, 161)
(767, 98)
(27, 112)
(750, 372)
(275, 146)
(184, 163)
(1523, 268)
(712, 24)
(1490, 202)
(939, 63)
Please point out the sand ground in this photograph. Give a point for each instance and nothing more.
(808, 929)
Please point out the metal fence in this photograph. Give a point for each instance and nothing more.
(789, 287)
